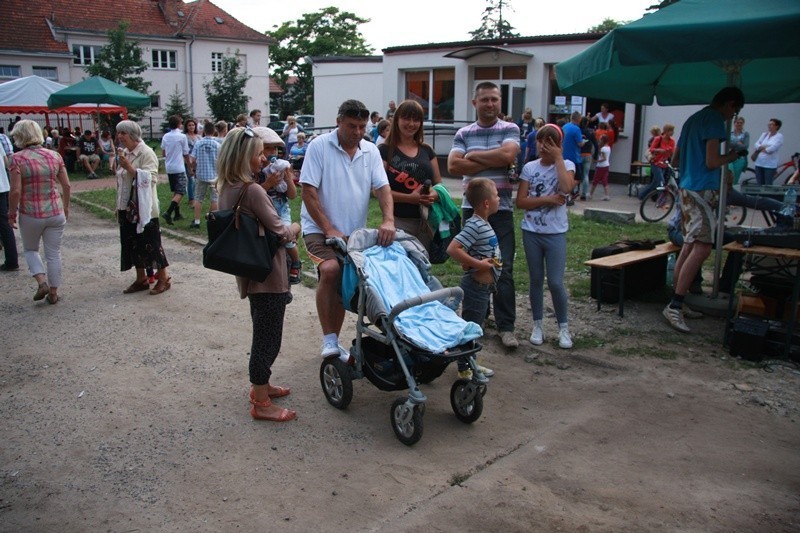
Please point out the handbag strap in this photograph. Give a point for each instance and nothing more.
(133, 196)
(238, 203)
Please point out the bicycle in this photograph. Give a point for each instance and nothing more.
(783, 173)
(657, 205)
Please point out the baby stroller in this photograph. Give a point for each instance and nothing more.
(405, 334)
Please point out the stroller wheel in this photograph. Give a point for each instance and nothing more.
(337, 382)
(406, 422)
(467, 400)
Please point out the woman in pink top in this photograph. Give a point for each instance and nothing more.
(43, 212)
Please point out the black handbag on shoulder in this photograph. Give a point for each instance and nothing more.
(238, 244)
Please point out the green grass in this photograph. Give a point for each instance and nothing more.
(584, 235)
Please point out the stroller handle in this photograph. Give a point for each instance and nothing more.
(434, 296)
(338, 243)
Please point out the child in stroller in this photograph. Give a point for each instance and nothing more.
(405, 334)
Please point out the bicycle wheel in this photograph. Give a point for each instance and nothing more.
(747, 178)
(657, 205)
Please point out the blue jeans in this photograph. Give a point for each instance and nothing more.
(7, 233)
(657, 180)
(546, 253)
(764, 175)
(504, 300)
(586, 160)
(475, 305)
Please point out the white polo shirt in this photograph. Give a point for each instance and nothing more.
(343, 185)
(175, 146)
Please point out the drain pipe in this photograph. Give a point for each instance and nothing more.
(190, 76)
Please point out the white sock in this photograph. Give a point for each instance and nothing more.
(564, 326)
(330, 337)
(197, 221)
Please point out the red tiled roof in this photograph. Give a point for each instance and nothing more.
(147, 18)
(274, 87)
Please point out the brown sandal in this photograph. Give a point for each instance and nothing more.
(161, 286)
(284, 415)
(41, 292)
(274, 392)
(137, 286)
(52, 298)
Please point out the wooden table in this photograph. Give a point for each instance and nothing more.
(788, 260)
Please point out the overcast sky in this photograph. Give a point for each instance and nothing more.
(405, 22)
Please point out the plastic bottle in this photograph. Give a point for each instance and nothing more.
(276, 165)
(671, 260)
(789, 202)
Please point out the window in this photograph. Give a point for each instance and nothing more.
(84, 54)
(48, 73)
(434, 90)
(164, 59)
(501, 73)
(155, 100)
(9, 71)
(216, 61)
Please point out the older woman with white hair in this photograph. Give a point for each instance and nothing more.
(138, 210)
(35, 173)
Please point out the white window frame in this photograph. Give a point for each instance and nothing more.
(48, 73)
(216, 62)
(80, 56)
(164, 59)
(10, 71)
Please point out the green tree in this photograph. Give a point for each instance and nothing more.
(225, 91)
(121, 62)
(493, 22)
(327, 32)
(606, 26)
(175, 106)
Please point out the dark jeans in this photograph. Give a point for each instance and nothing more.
(7, 233)
(504, 300)
(657, 180)
(475, 305)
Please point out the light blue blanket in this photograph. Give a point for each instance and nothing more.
(432, 326)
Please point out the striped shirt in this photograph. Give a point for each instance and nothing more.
(205, 152)
(39, 168)
(476, 138)
(480, 241)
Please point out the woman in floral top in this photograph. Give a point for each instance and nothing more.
(43, 212)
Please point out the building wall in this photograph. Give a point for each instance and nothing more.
(336, 82)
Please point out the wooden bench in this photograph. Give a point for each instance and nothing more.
(621, 261)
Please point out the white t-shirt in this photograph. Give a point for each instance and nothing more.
(343, 185)
(607, 118)
(604, 160)
(175, 146)
(543, 181)
(5, 185)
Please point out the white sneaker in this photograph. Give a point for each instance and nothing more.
(329, 349)
(488, 372)
(675, 319)
(508, 339)
(537, 335)
(344, 355)
(564, 340)
(691, 313)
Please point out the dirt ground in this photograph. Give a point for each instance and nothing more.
(130, 413)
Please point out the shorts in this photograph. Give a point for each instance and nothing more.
(200, 191)
(91, 157)
(600, 176)
(318, 251)
(697, 215)
(177, 183)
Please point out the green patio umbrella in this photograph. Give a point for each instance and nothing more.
(98, 90)
(684, 53)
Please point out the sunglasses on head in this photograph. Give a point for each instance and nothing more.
(247, 133)
(362, 114)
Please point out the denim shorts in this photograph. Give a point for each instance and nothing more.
(200, 191)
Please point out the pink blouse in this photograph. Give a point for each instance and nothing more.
(39, 168)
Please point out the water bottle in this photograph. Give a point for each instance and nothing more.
(789, 203)
(276, 165)
(671, 260)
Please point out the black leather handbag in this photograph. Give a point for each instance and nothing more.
(238, 244)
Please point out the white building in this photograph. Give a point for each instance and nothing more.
(183, 43)
(442, 77)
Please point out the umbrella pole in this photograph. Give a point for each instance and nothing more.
(723, 200)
